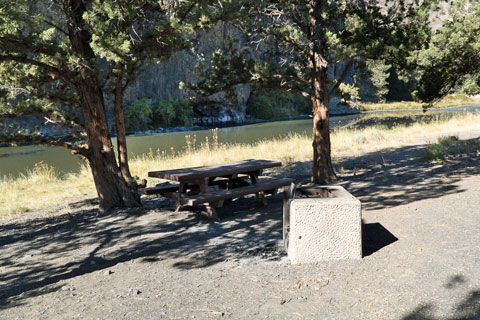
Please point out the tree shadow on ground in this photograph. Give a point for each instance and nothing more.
(37, 254)
(393, 177)
(468, 308)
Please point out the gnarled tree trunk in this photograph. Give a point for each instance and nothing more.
(113, 190)
(112, 187)
(121, 132)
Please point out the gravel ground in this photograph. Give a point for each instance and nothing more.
(420, 235)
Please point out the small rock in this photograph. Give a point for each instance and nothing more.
(26, 257)
(136, 291)
(108, 272)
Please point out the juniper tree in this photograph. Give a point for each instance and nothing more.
(62, 58)
(300, 40)
(451, 59)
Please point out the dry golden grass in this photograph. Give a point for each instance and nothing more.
(43, 187)
(448, 101)
(294, 147)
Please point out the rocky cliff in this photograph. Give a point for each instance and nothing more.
(161, 82)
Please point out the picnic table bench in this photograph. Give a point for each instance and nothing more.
(196, 185)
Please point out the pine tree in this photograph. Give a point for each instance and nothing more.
(61, 58)
(451, 59)
(296, 42)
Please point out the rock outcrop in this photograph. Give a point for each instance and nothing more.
(161, 82)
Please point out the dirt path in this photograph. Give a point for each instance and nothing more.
(421, 241)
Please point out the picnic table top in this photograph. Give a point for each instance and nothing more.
(226, 169)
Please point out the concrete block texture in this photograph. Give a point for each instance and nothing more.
(325, 228)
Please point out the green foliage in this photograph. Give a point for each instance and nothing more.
(447, 148)
(171, 113)
(470, 85)
(438, 151)
(274, 104)
(374, 86)
(344, 31)
(41, 66)
(162, 114)
(138, 116)
(349, 92)
(216, 74)
(451, 58)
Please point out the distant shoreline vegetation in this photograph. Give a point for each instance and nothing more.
(264, 105)
(143, 118)
(448, 101)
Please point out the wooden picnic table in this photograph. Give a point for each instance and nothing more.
(195, 184)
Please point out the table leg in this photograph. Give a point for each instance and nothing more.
(254, 179)
(261, 198)
(254, 176)
(203, 184)
(182, 187)
(212, 212)
(178, 205)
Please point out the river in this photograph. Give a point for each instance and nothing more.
(15, 161)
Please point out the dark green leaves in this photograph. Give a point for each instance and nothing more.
(452, 56)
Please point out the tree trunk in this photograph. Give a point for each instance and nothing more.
(113, 190)
(121, 133)
(322, 169)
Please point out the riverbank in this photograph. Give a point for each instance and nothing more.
(447, 102)
(45, 187)
(451, 100)
(454, 100)
(420, 245)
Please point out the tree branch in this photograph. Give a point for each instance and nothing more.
(13, 115)
(24, 139)
(340, 79)
(74, 128)
(56, 27)
(75, 148)
(27, 44)
(47, 67)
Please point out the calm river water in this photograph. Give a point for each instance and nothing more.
(17, 160)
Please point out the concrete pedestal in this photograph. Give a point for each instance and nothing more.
(324, 225)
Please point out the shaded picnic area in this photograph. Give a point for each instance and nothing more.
(153, 261)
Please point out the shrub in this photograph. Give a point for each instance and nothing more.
(162, 114)
(171, 113)
(138, 116)
(349, 92)
(373, 81)
(275, 104)
(439, 151)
